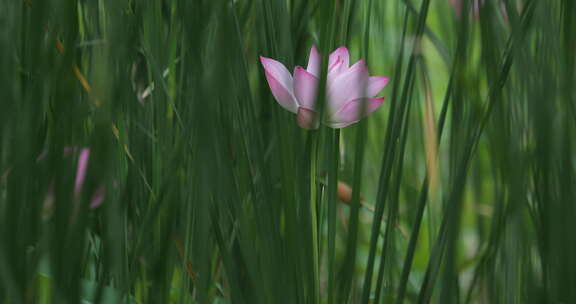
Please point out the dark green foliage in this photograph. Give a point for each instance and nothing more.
(463, 183)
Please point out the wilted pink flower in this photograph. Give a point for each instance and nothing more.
(350, 90)
(81, 170)
(474, 5)
(98, 195)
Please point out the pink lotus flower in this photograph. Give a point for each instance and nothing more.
(350, 90)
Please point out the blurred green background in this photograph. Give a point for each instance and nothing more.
(463, 182)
